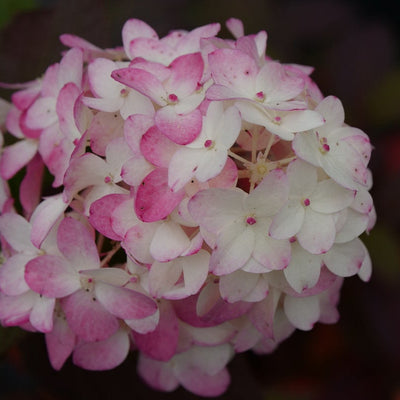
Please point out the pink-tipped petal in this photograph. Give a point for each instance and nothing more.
(160, 344)
(124, 303)
(155, 199)
(180, 128)
(103, 355)
(87, 318)
(51, 276)
(77, 244)
(60, 342)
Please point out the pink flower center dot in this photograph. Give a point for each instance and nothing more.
(208, 143)
(260, 96)
(251, 220)
(173, 98)
(325, 147)
(306, 202)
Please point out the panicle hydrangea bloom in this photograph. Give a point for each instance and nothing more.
(208, 200)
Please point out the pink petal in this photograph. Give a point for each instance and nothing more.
(60, 342)
(101, 83)
(157, 374)
(157, 148)
(14, 310)
(144, 325)
(203, 384)
(12, 281)
(87, 318)
(160, 344)
(103, 128)
(154, 199)
(269, 195)
(134, 128)
(24, 98)
(16, 156)
(234, 69)
(56, 150)
(191, 41)
(71, 68)
(41, 316)
(77, 244)
(186, 73)
(124, 303)
(134, 28)
(142, 81)
(65, 110)
(270, 252)
(212, 309)
(51, 276)
(30, 189)
(42, 113)
(180, 128)
(216, 208)
(276, 84)
(262, 314)
(45, 216)
(235, 26)
(100, 214)
(96, 169)
(152, 49)
(15, 230)
(137, 242)
(332, 109)
(103, 355)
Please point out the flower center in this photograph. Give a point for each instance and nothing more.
(251, 220)
(277, 120)
(260, 96)
(324, 148)
(209, 144)
(306, 202)
(172, 98)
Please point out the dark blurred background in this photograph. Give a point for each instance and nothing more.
(354, 47)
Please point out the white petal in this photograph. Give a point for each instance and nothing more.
(237, 285)
(303, 270)
(329, 197)
(317, 233)
(169, 242)
(345, 259)
(302, 312)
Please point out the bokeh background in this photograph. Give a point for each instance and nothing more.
(354, 46)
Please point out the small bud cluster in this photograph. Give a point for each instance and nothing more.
(206, 200)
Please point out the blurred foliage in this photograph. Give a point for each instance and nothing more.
(384, 248)
(9, 337)
(383, 102)
(8, 8)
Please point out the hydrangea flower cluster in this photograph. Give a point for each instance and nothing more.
(206, 200)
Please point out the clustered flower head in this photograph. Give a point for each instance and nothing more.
(206, 200)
